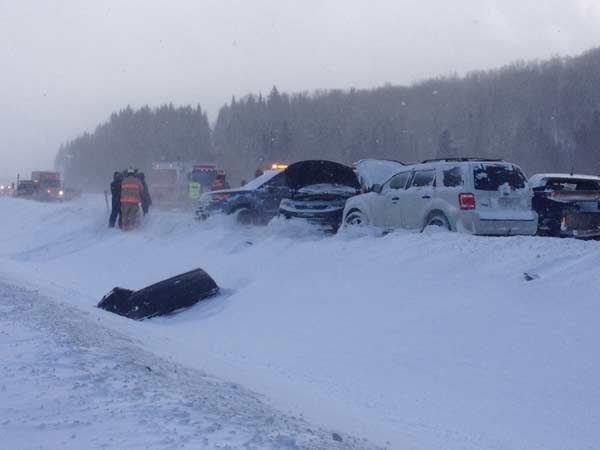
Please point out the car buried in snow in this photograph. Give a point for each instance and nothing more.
(257, 202)
(165, 297)
(567, 204)
(472, 195)
(319, 190)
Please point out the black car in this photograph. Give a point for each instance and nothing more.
(257, 202)
(567, 205)
(319, 190)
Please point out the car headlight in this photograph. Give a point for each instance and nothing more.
(285, 203)
(61, 193)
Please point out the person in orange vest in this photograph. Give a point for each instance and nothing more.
(131, 194)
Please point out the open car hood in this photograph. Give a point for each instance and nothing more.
(376, 171)
(312, 172)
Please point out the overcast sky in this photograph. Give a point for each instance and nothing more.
(66, 65)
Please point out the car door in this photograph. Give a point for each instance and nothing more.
(271, 193)
(393, 192)
(418, 197)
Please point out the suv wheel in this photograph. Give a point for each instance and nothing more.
(356, 219)
(437, 219)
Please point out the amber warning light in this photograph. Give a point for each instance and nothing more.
(276, 166)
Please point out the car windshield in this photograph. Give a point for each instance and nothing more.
(51, 183)
(259, 181)
(204, 177)
(491, 177)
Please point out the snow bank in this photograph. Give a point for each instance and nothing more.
(69, 383)
(425, 341)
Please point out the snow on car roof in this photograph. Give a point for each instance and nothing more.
(539, 178)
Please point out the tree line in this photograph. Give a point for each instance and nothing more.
(543, 115)
(135, 138)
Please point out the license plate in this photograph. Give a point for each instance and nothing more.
(508, 202)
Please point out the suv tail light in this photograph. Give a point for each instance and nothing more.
(466, 201)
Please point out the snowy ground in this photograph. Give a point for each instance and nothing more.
(413, 341)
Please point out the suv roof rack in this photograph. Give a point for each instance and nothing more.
(462, 159)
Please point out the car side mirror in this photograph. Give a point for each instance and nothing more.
(376, 188)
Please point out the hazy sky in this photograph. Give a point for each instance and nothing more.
(66, 65)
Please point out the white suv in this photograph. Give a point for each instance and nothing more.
(478, 196)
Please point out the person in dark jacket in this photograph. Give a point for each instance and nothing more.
(115, 191)
(146, 200)
(220, 181)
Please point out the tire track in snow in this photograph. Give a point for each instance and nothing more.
(69, 382)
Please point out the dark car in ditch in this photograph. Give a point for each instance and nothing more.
(567, 204)
(257, 202)
(319, 190)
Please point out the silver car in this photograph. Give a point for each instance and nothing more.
(477, 196)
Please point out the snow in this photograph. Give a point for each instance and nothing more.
(70, 383)
(410, 340)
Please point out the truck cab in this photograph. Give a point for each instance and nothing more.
(47, 186)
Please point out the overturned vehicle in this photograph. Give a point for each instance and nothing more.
(164, 297)
(319, 190)
(567, 205)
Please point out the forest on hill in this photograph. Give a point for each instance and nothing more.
(135, 138)
(543, 115)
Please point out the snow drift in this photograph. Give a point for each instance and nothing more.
(420, 341)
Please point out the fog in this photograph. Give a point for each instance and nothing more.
(68, 64)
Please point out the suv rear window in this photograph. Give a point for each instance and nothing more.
(489, 177)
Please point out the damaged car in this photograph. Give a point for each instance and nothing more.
(567, 204)
(255, 203)
(318, 192)
(165, 297)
